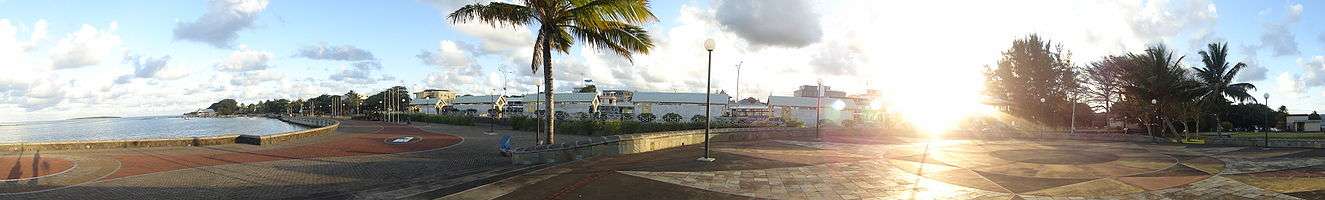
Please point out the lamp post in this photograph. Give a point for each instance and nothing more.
(1042, 100)
(818, 106)
(1153, 102)
(708, 88)
(1267, 131)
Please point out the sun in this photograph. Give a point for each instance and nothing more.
(936, 101)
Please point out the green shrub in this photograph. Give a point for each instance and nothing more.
(647, 117)
(671, 118)
(698, 119)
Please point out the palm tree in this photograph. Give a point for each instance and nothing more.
(1157, 76)
(605, 24)
(1216, 80)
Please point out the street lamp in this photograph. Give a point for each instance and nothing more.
(1153, 102)
(708, 89)
(1042, 100)
(1268, 122)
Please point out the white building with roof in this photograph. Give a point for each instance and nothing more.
(569, 103)
(1302, 123)
(484, 106)
(427, 106)
(685, 104)
(802, 109)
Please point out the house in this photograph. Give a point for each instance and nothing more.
(685, 104)
(749, 111)
(483, 106)
(427, 106)
(201, 113)
(514, 106)
(434, 94)
(570, 103)
(803, 108)
(810, 91)
(1303, 123)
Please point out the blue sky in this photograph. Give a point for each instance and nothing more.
(851, 45)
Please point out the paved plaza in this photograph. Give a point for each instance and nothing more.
(355, 162)
(881, 167)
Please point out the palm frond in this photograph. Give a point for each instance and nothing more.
(493, 13)
(622, 39)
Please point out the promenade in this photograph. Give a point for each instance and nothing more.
(355, 162)
(853, 166)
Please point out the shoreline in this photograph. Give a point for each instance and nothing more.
(314, 127)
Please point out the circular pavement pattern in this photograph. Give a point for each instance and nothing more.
(28, 167)
(1062, 157)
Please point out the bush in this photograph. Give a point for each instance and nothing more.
(671, 118)
(440, 119)
(698, 119)
(627, 117)
(794, 123)
(646, 117)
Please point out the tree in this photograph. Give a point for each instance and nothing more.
(1104, 78)
(1313, 116)
(671, 118)
(587, 89)
(698, 119)
(1156, 75)
(297, 106)
(646, 117)
(225, 107)
(1216, 78)
(353, 101)
(605, 24)
(1035, 77)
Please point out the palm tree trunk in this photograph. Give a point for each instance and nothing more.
(547, 92)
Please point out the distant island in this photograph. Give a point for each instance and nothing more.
(97, 117)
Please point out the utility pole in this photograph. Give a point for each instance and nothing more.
(738, 80)
(818, 107)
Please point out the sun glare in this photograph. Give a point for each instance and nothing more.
(938, 105)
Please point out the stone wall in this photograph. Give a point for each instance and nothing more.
(644, 142)
(322, 127)
(1277, 143)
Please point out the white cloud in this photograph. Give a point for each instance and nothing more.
(148, 67)
(245, 60)
(251, 78)
(86, 47)
(788, 23)
(449, 54)
(1313, 71)
(359, 73)
(1279, 37)
(333, 52)
(219, 27)
(1254, 70)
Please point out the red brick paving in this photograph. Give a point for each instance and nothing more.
(22, 167)
(353, 145)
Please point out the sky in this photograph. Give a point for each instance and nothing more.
(62, 59)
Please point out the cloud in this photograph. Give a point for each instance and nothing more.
(1159, 19)
(360, 73)
(1279, 37)
(219, 27)
(250, 78)
(838, 59)
(1313, 71)
(449, 54)
(245, 60)
(1254, 71)
(148, 67)
(341, 53)
(787, 23)
(1290, 84)
(85, 47)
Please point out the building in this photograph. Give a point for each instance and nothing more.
(834, 110)
(613, 104)
(685, 104)
(570, 103)
(514, 106)
(747, 112)
(483, 106)
(810, 91)
(1303, 123)
(201, 113)
(434, 94)
(427, 106)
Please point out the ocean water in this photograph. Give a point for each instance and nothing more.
(130, 128)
